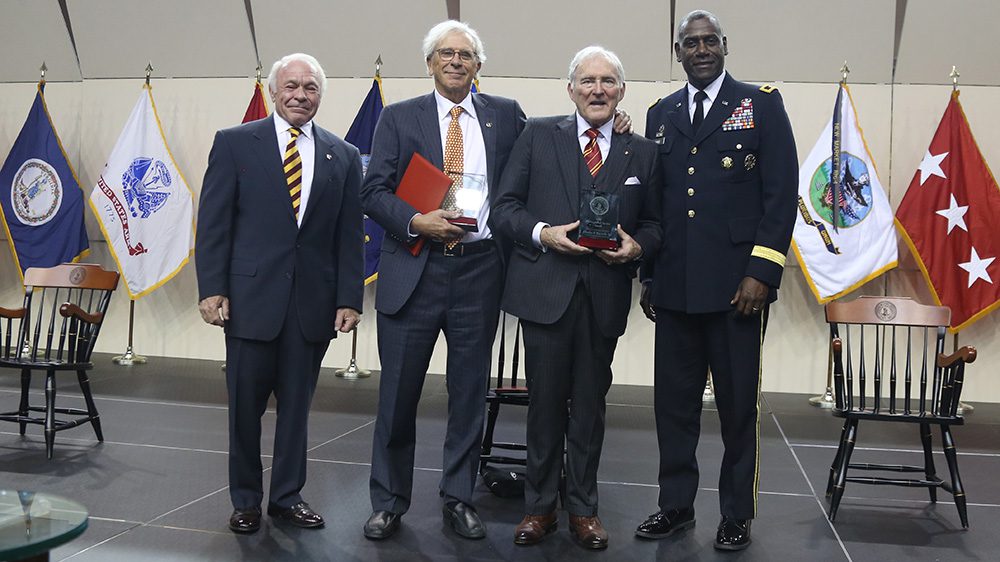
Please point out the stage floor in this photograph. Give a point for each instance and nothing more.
(156, 488)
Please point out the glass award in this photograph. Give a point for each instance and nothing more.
(470, 196)
(599, 216)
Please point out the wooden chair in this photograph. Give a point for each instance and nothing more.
(895, 344)
(55, 330)
(508, 390)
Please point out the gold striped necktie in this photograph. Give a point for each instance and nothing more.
(293, 170)
(592, 153)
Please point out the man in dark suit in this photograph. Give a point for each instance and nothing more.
(572, 300)
(730, 169)
(453, 285)
(279, 255)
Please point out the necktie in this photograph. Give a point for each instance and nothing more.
(699, 109)
(293, 170)
(592, 153)
(454, 157)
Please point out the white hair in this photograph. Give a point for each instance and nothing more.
(446, 28)
(317, 70)
(594, 51)
(698, 15)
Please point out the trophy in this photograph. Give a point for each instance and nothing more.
(599, 212)
(470, 196)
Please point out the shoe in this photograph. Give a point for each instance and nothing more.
(245, 520)
(382, 525)
(464, 520)
(662, 524)
(588, 532)
(533, 528)
(734, 534)
(300, 515)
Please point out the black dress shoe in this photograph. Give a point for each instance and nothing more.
(734, 534)
(382, 525)
(464, 520)
(245, 520)
(662, 524)
(300, 515)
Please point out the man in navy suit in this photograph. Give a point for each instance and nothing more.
(279, 255)
(731, 174)
(453, 285)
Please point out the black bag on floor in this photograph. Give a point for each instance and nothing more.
(503, 482)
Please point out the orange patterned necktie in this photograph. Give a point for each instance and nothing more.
(592, 153)
(293, 170)
(454, 158)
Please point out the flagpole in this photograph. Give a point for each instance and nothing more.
(129, 357)
(353, 372)
(26, 347)
(963, 408)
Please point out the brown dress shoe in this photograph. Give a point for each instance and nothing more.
(533, 528)
(588, 532)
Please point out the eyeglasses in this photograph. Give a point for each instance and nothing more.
(449, 54)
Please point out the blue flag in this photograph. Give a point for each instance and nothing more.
(360, 135)
(43, 214)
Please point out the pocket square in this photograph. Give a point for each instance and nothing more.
(633, 180)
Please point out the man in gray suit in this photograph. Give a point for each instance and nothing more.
(453, 285)
(572, 300)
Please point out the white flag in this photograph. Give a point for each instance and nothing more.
(143, 204)
(863, 245)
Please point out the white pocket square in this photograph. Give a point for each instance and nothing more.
(632, 181)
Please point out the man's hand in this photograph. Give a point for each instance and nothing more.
(347, 319)
(214, 310)
(623, 123)
(644, 297)
(435, 226)
(750, 297)
(555, 238)
(627, 251)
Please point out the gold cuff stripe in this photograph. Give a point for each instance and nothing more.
(768, 254)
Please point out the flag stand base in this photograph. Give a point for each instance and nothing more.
(708, 395)
(825, 401)
(128, 358)
(353, 372)
(964, 408)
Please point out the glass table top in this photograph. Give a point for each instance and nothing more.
(32, 523)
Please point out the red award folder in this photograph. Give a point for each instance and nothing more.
(423, 186)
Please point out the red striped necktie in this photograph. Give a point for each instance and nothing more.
(592, 152)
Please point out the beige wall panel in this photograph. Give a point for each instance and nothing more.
(803, 40)
(347, 36)
(33, 32)
(182, 38)
(937, 35)
(538, 39)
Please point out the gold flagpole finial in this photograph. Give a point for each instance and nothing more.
(844, 71)
(378, 66)
(954, 78)
(149, 71)
(258, 72)
(42, 69)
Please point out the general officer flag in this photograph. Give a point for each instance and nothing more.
(948, 218)
(844, 234)
(360, 135)
(143, 204)
(257, 109)
(43, 213)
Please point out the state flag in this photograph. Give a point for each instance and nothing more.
(360, 135)
(257, 109)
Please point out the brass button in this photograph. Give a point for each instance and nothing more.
(694, 150)
(691, 171)
(690, 192)
(739, 146)
(691, 214)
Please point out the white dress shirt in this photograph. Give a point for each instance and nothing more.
(307, 152)
(475, 153)
(712, 90)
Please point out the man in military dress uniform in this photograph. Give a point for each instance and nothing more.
(730, 172)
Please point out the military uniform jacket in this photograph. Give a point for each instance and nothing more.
(729, 199)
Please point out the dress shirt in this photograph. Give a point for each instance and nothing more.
(307, 152)
(712, 90)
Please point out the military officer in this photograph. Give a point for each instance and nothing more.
(730, 169)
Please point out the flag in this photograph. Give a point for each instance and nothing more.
(43, 215)
(360, 135)
(948, 219)
(258, 105)
(844, 245)
(143, 204)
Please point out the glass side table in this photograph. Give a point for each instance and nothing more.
(33, 523)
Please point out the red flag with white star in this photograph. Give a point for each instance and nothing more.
(948, 218)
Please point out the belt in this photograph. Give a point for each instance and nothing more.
(460, 249)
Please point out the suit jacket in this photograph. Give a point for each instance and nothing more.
(405, 128)
(542, 183)
(730, 198)
(250, 249)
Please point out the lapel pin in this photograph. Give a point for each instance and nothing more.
(660, 131)
(328, 157)
(724, 102)
(489, 124)
(626, 153)
(678, 104)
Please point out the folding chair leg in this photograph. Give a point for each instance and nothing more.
(956, 480)
(836, 461)
(22, 409)
(50, 414)
(845, 460)
(929, 472)
(95, 418)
